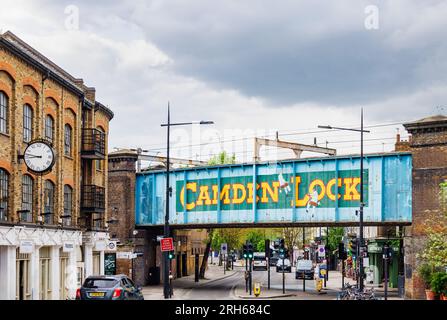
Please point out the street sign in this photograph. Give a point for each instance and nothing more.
(111, 245)
(321, 251)
(223, 248)
(167, 244)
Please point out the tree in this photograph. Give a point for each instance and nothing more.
(434, 253)
(292, 237)
(221, 158)
(335, 237)
(255, 236)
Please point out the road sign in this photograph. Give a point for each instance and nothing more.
(321, 251)
(223, 248)
(167, 244)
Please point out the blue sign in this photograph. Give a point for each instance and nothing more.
(293, 192)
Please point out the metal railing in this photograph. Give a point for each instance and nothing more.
(93, 143)
(92, 199)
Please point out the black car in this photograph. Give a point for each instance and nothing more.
(116, 287)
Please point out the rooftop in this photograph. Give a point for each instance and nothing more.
(75, 84)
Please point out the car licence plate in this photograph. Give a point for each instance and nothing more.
(96, 294)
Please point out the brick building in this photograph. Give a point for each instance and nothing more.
(138, 252)
(428, 145)
(53, 226)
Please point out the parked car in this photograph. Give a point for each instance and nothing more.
(286, 266)
(304, 269)
(259, 261)
(116, 287)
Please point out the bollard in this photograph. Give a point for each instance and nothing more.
(257, 289)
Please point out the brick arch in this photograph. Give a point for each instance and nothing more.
(51, 177)
(6, 89)
(53, 99)
(72, 109)
(53, 94)
(30, 101)
(6, 166)
(69, 182)
(9, 69)
(103, 124)
(29, 81)
(26, 173)
(50, 111)
(70, 122)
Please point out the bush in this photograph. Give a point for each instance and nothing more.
(426, 272)
(438, 282)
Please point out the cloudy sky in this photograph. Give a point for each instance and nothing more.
(254, 67)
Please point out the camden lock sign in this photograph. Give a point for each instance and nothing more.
(296, 191)
(277, 191)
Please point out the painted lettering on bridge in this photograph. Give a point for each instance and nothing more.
(277, 191)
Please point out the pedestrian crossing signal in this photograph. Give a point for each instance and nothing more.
(245, 251)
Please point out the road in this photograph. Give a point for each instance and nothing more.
(233, 286)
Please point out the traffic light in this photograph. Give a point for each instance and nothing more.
(341, 251)
(245, 251)
(250, 251)
(353, 246)
(267, 248)
(387, 251)
(282, 249)
(171, 255)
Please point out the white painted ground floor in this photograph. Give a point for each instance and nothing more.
(47, 264)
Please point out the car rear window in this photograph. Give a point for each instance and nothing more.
(100, 283)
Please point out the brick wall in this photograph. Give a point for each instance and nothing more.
(428, 145)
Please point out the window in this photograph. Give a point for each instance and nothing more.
(49, 128)
(27, 199)
(68, 205)
(48, 202)
(4, 184)
(3, 112)
(27, 123)
(67, 140)
(100, 162)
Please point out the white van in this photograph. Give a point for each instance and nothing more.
(259, 261)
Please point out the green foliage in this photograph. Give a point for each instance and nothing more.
(435, 249)
(233, 237)
(438, 283)
(335, 237)
(255, 236)
(222, 158)
(261, 245)
(425, 271)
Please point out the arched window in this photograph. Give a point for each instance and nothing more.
(68, 205)
(49, 128)
(67, 140)
(3, 112)
(49, 202)
(4, 185)
(27, 199)
(27, 123)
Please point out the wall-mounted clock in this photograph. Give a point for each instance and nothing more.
(39, 157)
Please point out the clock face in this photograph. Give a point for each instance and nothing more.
(39, 157)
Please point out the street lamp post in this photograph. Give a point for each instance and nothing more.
(166, 268)
(361, 130)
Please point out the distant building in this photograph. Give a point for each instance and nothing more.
(138, 252)
(53, 228)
